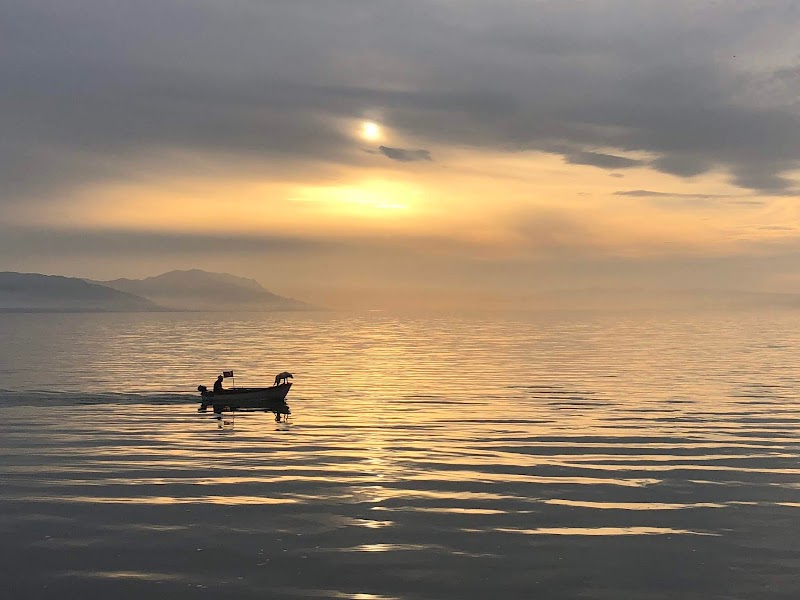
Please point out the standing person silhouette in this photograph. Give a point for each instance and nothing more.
(218, 385)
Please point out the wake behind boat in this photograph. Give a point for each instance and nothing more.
(268, 399)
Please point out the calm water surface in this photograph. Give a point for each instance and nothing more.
(550, 456)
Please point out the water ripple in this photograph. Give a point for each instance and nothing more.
(426, 457)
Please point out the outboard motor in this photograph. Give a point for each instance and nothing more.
(202, 388)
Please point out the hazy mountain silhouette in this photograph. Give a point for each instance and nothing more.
(201, 290)
(32, 292)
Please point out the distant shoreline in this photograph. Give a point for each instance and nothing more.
(151, 311)
(175, 291)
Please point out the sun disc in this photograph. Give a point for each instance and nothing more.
(370, 130)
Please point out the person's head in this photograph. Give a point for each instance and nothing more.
(219, 378)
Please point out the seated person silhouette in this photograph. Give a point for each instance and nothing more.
(218, 385)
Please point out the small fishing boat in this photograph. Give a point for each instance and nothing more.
(268, 399)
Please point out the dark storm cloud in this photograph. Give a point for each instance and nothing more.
(93, 89)
(404, 155)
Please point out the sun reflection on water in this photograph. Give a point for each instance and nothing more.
(427, 452)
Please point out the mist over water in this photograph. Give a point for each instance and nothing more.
(551, 455)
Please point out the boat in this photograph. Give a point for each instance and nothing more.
(268, 399)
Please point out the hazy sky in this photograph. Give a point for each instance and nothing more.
(380, 151)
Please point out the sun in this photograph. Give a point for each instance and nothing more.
(370, 130)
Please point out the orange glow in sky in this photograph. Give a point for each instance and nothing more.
(502, 149)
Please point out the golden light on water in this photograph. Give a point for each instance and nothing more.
(414, 453)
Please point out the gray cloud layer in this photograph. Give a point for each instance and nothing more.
(91, 87)
(604, 161)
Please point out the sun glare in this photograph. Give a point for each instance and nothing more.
(376, 198)
(370, 130)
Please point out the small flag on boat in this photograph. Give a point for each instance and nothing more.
(227, 373)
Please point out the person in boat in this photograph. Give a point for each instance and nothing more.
(218, 385)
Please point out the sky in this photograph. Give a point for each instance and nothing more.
(373, 153)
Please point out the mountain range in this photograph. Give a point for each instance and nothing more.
(193, 290)
(197, 290)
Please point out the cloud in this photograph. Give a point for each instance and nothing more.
(404, 155)
(684, 165)
(94, 90)
(604, 161)
(672, 199)
(652, 194)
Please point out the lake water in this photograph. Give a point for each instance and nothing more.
(576, 455)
